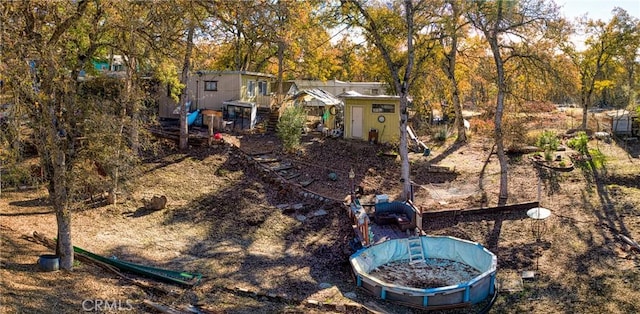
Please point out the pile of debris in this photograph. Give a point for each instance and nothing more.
(432, 273)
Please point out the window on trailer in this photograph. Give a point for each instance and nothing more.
(211, 85)
(251, 89)
(262, 88)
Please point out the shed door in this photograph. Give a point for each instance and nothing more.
(356, 122)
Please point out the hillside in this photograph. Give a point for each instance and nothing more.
(241, 228)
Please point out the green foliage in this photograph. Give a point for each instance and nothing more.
(290, 127)
(167, 74)
(579, 143)
(548, 142)
(222, 172)
(597, 158)
(15, 175)
(440, 134)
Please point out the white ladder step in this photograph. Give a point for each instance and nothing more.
(416, 254)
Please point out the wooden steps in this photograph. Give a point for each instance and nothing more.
(274, 117)
(284, 169)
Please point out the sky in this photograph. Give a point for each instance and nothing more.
(573, 9)
(597, 9)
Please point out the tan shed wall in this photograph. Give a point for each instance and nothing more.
(230, 87)
(388, 132)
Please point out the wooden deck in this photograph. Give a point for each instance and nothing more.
(387, 232)
(383, 233)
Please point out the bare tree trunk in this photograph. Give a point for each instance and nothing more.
(134, 132)
(459, 123)
(64, 245)
(184, 128)
(58, 191)
(134, 109)
(457, 105)
(632, 87)
(502, 157)
(280, 67)
(401, 84)
(405, 170)
(404, 116)
(586, 104)
(450, 69)
(585, 111)
(492, 38)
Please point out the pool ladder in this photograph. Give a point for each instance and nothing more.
(416, 254)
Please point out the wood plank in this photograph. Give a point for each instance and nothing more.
(293, 176)
(258, 154)
(265, 160)
(306, 183)
(486, 210)
(281, 167)
(441, 169)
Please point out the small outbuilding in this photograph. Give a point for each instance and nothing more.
(624, 122)
(321, 108)
(241, 115)
(375, 118)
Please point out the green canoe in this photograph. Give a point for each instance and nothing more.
(171, 276)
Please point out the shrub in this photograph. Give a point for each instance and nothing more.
(441, 134)
(514, 131)
(598, 158)
(579, 143)
(290, 126)
(548, 142)
(485, 127)
(538, 106)
(15, 175)
(532, 136)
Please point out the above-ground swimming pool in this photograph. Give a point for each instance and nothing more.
(417, 262)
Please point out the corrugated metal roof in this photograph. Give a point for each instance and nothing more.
(316, 97)
(354, 94)
(239, 103)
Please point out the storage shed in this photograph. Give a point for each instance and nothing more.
(374, 118)
(624, 122)
(240, 114)
(321, 107)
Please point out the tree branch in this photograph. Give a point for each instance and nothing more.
(64, 26)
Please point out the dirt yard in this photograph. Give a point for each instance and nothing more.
(264, 246)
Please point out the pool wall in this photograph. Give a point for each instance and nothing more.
(470, 253)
